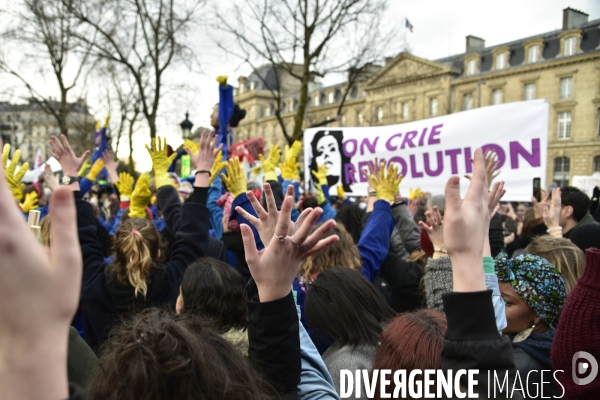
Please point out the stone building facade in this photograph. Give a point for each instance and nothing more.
(562, 66)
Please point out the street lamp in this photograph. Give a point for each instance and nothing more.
(186, 126)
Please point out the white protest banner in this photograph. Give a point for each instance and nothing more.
(429, 151)
(586, 183)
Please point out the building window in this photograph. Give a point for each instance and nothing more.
(379, 114)
(496, 96)
(359, 118)
(251, 85)
(331, 97)
(597, 164)
(343, 120)
(404, 110)
(268, 111)
(598, 125)
(529, 92)
(501, 61)
(317, 100)
(468, 101)
(534, 54)
(433, 107)
(564, 125)
(471, 67)
(570, 44)
(566, 88)
(562, 166)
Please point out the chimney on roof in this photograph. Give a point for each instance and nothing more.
(573, 18)
(474, 44)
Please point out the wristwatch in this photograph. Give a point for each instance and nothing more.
(67, 180)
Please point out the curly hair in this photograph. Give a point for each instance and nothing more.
(157, 355)
(342, 253)
(213, 289)
(352, 219)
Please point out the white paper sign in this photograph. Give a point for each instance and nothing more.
(429, 151)
(586, 183)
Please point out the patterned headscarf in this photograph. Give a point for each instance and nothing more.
(536, 281)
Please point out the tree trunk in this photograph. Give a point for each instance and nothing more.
(302, 104)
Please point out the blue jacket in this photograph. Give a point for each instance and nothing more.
(374, 242)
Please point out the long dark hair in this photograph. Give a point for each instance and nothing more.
(213, 289)
(157, 355)
(344, 305)
(339, 137)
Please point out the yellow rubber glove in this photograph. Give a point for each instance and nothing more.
(160, 162)
(217, 167)
(222, 79)
(414, 194)
(125, 186)
(270, 163)
(140, 198)
(13, 178)
(341, 192)
(320, 195)
(106, 120)
(194, 147)
(84, 167)
(30, 203)
(95, 170)
(386, 184)
(235, 180)
(289, 167)
(320, 174)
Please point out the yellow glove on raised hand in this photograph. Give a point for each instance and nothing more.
(386, 184)
(320, 195)
(340, 191)
(194, 147)
(414, 194)
(270, 163)
(30, 203)
(160, 162)
(235, 180)
(140, 198)
(95, 170)
(217, 167)
(289, 167)
(13, 178)
(84, 167)
(222, 79)
(125, 186)
(320, 174)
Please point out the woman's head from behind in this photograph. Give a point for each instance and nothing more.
(137, 246)
(158, 355)
(412, 341)
(213, 289)
(342, 304)
(567, 258)
(533, 291)
(342, 253)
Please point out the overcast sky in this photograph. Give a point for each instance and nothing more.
(440, 27)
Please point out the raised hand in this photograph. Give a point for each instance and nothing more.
(46, 287)
(340, 192)
(435, 230)
(111, 165)
(271, 162)
(125, 185)
(30, 202)
(192, 146)
(140, 198)
(266, 221)
(289, 167)
(62, 151)
(235, 180)
(466, 223)
(206, 153)
(386, 182)
(551, 213)
(494, 198)
(491, 166)
(161, 162)
(13, 178)
(538, 206)
(95, 170)
(320, 175)
(275, 267)
(217, 167)
(50, 179)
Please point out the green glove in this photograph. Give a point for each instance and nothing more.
(95, 170)
(320, 174)
(140, 198)
(160, 162)
(270, 163)
(30, 203)
(386, 184)
(235, 180)
(125, 186)
(13, 178)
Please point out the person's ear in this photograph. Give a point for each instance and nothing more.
(567, 211)
(158, 255)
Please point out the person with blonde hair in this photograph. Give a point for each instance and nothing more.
(567, 258)
(138, 277)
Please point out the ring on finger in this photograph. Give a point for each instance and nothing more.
(280, 238)
(296, 245)
(303, 247)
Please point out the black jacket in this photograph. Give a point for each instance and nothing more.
(104, 301)
(403, 279)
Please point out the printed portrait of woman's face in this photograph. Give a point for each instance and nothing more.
(329, 154)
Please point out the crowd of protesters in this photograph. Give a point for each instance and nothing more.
(219, 288)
